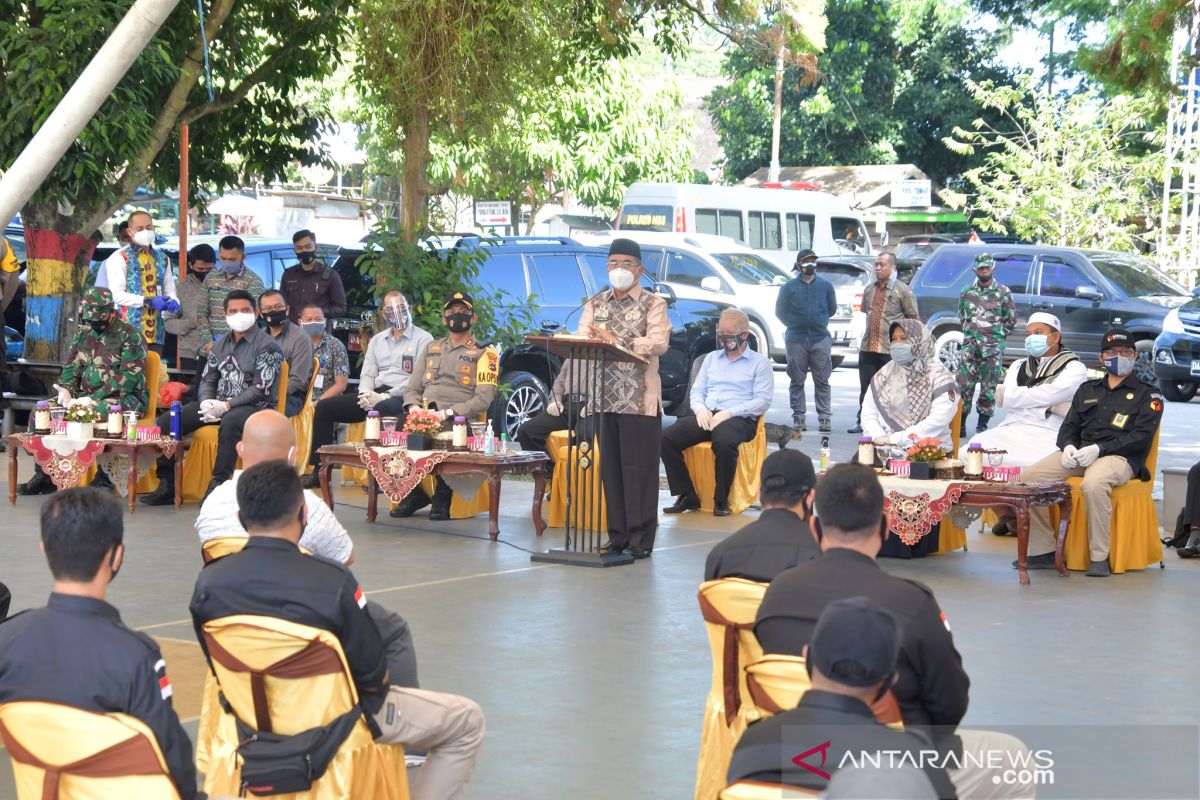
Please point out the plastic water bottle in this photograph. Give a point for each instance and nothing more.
(504, 444)
(176, 420)
(825, 463)
(489, 443)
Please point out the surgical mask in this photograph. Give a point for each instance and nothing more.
(231, 267)
(240, 322)
(275, 318)
(902, 353)
(307, 257)
(396, 315)
(143, 238)
(730, 341)
(460, 322)
(620, 278)
(1119, 365)
(1036, 344)
(313, 328)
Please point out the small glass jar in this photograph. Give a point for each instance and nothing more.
(41, 417)
(974, 465)
(116, 422)
(866, 451)
(459, 434)
(371, 431)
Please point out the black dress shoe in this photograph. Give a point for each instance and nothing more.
(855, 429)
(1043, 561)
(1004, 528)
(685, 502)
(311, 481)
(720, 508)
(416, 500)
(612, 548)
(40, 483)
(102, 482)
(638, 553)
(162, 496)
(439, 513)
(1188, 552)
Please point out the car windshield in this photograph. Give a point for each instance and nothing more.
(750, 269)
(919, 250)
(843, 274)
(1137, 277)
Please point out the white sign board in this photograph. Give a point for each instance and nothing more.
(912, 194)
(493, 213)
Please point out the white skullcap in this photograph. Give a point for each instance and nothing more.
(1046, 319)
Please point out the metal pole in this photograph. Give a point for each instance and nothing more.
(183, 217)
(81, 102)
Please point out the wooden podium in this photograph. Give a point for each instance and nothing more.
(585, 361)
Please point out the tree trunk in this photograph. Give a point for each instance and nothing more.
(57, 265)
(415, 186)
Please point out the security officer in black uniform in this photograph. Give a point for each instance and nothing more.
(780, 538)
(456, 377)
(851, 660)
(1106, 439)
(76, 651)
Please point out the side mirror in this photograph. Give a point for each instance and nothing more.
(1088, 293)
(667, 293)
(711, 284)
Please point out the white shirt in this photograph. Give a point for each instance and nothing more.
(114, 278)
(323, 536)
(390, 360)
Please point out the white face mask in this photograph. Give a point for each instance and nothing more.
(620, 278)
(143, 238)
(240, 322)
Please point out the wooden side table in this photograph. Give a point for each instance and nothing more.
(1021, 497)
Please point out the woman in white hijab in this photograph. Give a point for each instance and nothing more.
(912, 395)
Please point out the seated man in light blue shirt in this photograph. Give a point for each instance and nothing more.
(731, 391)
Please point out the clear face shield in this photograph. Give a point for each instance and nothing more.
(395, 313)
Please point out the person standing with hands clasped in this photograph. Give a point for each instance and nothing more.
(988, 316)
(805, 305)
(1105, 439)
(629, 316)
(141, 281)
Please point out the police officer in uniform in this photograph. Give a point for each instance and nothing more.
(76, 651)
(1106, 439)
(456, 377)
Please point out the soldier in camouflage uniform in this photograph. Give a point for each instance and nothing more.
(105, 363)
(988, 315)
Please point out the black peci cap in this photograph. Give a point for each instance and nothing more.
(625, 247)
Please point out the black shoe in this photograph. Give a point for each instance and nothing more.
(825, 426)
(311, 481)
(1043, 561)
(102, 482)
(164, 495)
(1003, 528)
(1188, 552)
(856, 429)
(612, 548)
(40, 483)
(685, 502)
(984, 420)
(1098, 569)
(638, 553)
(416, 500)
(720, 508)
(439, 514)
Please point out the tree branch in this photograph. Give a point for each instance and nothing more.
(239, 93)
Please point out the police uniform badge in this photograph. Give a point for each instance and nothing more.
(1120, 421)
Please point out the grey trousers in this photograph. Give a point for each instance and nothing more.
(814, 357)
(1099, 479)
(397, 645)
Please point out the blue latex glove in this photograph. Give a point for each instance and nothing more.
(172, 305)
(157, 303)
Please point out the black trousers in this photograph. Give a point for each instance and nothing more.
(629, 452)
(344, 408)
(1191, 500)
(868, 364)
(228, 435)
(533, 434)
(725, 440)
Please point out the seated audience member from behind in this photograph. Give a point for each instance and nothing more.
(780, 538)
(76, 651)
(931, 687)
(271, 577)
(270, 436)
(731, 391)
(1105, 439)
(852, 663)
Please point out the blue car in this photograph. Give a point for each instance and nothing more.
(14, 344)
(1177, 351)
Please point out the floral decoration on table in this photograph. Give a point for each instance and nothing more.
(83, 409)
(925, 450)
(423, 421)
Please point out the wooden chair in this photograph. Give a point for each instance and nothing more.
(59, 751)
(556, 448)
(701, 466)
(291, 678)
(1135, 540)
(303, 421)
(202, 452)
(729, 606)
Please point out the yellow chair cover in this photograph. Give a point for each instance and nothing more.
(950, 536)
(460, 507)
(556, 447)
(354, 433)
(1135, 539)
(761, 790)
(154, 374)
(362, 767)
(776, 683)
(728, 606)
(701, 465)
(55, 735)
(202, 452)
(302, 422)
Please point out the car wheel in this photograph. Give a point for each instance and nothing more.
(837, 361)
(948, 348)
(1178, 391)
(761, 343)
(526, 399)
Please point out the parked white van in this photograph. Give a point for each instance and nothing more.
(704, 267)
(776, 223)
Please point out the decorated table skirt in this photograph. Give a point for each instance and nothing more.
(915, 507)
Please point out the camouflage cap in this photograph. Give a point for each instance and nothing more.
(97, 304)
(984, 261)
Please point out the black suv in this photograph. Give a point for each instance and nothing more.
(560, 274)
(1090, 291)
(912, 251)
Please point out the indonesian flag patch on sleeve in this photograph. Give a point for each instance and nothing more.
(360, 597)
(1156, 403)
(164, 683)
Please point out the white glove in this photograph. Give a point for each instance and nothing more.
(704, 418)
(1086, 456)
(1069, 459)
(207, 405)
(217, 410)
(885, 440)
(414, 407)
(368, 400)
(554, 408)
(718, 418)
(1000, 396)
(64, 397)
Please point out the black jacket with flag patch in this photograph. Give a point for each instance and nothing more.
(1123, 421)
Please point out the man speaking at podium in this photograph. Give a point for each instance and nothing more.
(629, 316)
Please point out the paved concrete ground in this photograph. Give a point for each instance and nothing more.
(593, 681)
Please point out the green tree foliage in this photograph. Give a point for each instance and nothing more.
(891, 85)
(1074, 173)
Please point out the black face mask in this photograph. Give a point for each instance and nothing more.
(200, 274)
(307, 257)
(458, 323)
(984, 278)
(275, 318)
(99, 325)
(808, 270)
(730, 341)
(112, 564)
